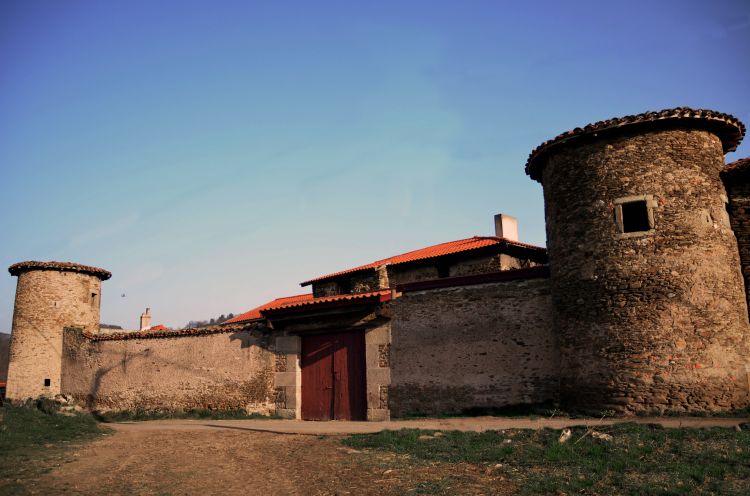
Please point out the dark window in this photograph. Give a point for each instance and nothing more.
(345, 286)
(47, 382)
(443, 270)
(635, 217)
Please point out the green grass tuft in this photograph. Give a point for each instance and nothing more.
(31, 433)
(642, 459)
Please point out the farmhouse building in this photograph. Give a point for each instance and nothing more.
(638, 304)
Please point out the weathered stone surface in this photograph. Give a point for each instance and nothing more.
(738, 190)
(489, 345)
(649, 321)
(46, 301)
(216, 371)
(4, 355)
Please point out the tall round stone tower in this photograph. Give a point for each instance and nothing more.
(49, 297)
(648, 295)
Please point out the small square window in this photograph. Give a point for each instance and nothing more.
(635, 214)
(47, 382)
(635, 217)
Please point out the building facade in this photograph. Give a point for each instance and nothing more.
(639, 305)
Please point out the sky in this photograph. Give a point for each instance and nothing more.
(212, 155)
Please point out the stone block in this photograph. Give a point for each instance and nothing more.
(288, 344)
(378, 376)
(282, 379)
(378, 415)
(378, 335)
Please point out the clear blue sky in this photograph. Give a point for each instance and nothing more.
(212, 155)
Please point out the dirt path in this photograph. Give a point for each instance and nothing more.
(461, 424)
(226, 461)
(269, 457)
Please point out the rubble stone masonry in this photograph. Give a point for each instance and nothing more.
(653, 320)
(739, 214)
(220, 371)
(46, 301)
(457, 348)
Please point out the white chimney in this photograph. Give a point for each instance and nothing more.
(506, 227)
(146, 320)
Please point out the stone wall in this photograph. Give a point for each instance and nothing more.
(47, 301)
(738, 190)
(654, 320)
(4, 355)
(406, 273)
(372, 320)
(481, 346)
(220, 371)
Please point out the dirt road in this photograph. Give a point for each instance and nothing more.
(459, 423)
(269, 457)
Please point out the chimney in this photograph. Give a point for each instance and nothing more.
(506, 227)
(146, 320)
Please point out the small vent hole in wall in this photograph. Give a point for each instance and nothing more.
(635, 217)
(443, 270)
(47, 382)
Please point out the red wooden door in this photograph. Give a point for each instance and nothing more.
(333, 376)
(349, 402)
(317, 377)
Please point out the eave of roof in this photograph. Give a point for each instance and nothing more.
(18, 268)
(255, 314)
(345, 299)
(434, 251)
(176, 333)
(729, 129)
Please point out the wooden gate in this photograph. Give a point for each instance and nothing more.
(333, 376)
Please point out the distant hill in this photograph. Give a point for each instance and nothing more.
(4, 355)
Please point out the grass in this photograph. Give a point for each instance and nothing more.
(642, 459)
(139, 415)
(31, 436)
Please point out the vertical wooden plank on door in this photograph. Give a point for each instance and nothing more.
(317, 377)
(349, 402)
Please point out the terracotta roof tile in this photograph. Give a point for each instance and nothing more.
(158, 328)
(305, 300)
(382, 295)
(254, 314)
(730, 129)
(434, 251)
(20, 267)
(176, 333)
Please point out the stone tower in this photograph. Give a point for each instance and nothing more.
(648, 296)
(49, 297)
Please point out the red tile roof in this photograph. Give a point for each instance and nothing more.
(254, 314)
(158, 328)
(381, 296)
(20, 267)
(169, 333)
(306, 300)
(727, 127)
(434, 251)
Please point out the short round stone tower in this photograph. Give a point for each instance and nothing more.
(49, 297)
(648, 295)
